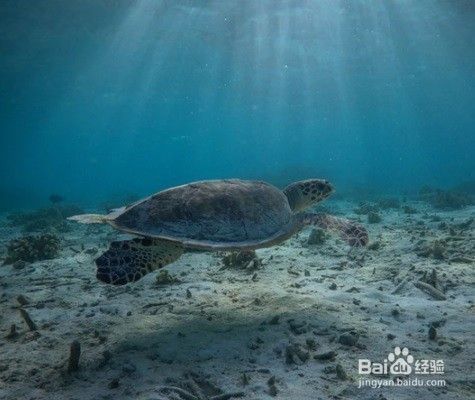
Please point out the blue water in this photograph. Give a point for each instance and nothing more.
(105, 99)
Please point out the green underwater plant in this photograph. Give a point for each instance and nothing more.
(32, 248)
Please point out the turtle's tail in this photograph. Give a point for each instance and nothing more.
(89, 218)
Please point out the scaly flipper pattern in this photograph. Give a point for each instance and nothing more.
(129, 260)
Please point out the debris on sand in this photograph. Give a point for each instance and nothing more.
(432, 333)
(348, 339)
(74, 355)
(374, 218)
(194, 386)
(327, 356)
(409, 210)
(296, 354)
(165, 278)
(432, 291)
(341, 373)
(246, 260)
(317, 236)
(366, 208)
(26, 317)
(401, 285)
(12, 334)
(389, 203)
(445, 199)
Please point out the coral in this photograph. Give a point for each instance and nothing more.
(374, 246)
(374, 218)
(55, 198)
(45, 219)
(164, 278)
(467, 188)
(446, 199)
(366, 208)
(246, 259)
(317, 236)
(32, 248)
(409, 210)
(389, 202)
(436, 249)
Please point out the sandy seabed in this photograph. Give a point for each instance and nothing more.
(291, 326)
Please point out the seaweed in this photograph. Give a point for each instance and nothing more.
(32, 248)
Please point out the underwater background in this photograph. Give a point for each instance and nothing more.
(109, 99)
(103, 102)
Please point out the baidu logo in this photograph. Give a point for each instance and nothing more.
(400, 361)
(400, 369)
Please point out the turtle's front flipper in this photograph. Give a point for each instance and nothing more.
(129, 260)
(351, 232)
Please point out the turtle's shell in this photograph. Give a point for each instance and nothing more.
(213, 214)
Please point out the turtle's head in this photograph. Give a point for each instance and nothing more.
(304, 194)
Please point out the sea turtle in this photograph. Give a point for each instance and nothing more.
(229, 214)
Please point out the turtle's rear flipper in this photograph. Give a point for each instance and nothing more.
(351, 232)
(129, 260)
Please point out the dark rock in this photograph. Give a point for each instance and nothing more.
(348, 339)
(432, 333)
(340, 372)
(113, 384)
(328, 356)
(74, 355)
